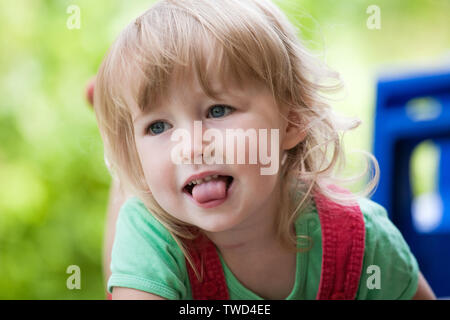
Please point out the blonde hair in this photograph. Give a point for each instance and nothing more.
(252, 40)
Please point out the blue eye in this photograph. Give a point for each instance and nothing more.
(219, 110)
(157, 127)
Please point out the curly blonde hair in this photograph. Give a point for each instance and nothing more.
(252, 40)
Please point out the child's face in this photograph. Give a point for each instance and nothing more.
(249, 193)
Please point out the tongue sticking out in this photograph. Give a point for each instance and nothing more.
(212, 190)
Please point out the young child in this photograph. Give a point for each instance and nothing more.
(199, 226)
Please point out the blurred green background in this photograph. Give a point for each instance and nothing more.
(53, 182)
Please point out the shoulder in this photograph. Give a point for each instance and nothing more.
(372, 212)
(134, 216)
(390, 270)
(380, 231)
(145, 256)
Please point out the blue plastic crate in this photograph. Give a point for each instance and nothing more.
(409, 110)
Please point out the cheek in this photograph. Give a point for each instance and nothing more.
(161, 182)
(255, 185)
(263, 185)
(156, 168)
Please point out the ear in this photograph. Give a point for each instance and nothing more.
(294, 131)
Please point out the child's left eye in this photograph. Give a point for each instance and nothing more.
(219, 110)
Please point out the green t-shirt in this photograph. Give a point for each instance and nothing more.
(147, 258)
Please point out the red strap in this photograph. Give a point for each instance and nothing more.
(207, 262)
(343, 236)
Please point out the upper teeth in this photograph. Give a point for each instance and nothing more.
(199, 181)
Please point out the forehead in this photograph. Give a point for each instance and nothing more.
(214, 86)
(204, 68)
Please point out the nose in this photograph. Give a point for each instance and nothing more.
(196, 145)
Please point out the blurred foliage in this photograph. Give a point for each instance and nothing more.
(53, 182)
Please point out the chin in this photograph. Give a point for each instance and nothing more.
(218, 224)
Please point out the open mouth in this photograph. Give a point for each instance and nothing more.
(227, 179)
